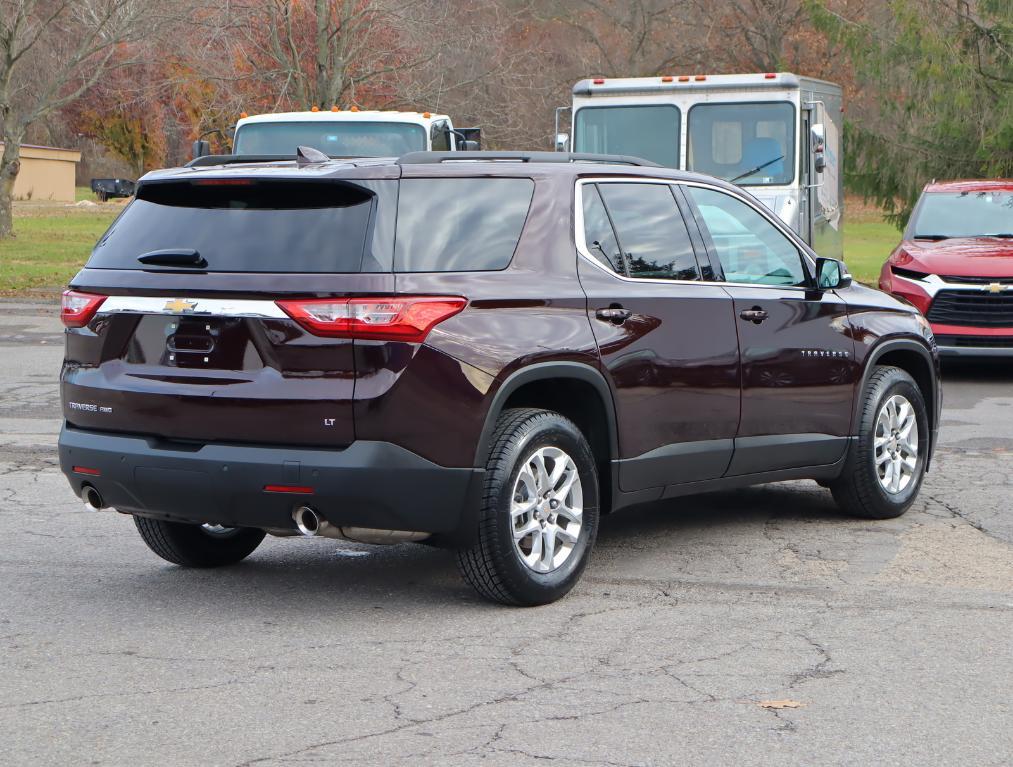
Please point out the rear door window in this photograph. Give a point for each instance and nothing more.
(651, 231)
(249, 225)
(599, 237)
(460, 224)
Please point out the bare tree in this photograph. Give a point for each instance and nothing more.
(51, 52)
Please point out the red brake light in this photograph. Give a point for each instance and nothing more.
(77, 309)
(296, 489)
(88, 471)
(393, 318)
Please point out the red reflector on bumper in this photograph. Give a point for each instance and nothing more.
(298, 489)
(86, 470)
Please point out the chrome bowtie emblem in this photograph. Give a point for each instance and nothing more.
(995, 287)
(179, 305)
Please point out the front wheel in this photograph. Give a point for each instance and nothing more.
(198, 545)
(539, 515)
(886, 465)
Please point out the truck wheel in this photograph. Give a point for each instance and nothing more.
(885, 467)
(198, 545)
(539, 515)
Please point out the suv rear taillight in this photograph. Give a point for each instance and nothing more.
(394, 318)
(77, 309)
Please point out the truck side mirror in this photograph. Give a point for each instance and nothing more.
(818, 144)
(562, 142)
(831, 274)
(201, 148)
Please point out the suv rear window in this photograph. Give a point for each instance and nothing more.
(244, 225)
(460, 224)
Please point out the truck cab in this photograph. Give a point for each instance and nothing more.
(776, 134)
(348, 133)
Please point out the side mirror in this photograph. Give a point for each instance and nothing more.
(832, 274)
(562, 142)
(818, 145)
(201, 148)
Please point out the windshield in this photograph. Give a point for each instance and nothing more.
(648, 132)
(963, 214)
(336, 139)
(748, 144)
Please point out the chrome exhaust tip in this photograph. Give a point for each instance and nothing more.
(92, 498)
(307, 521)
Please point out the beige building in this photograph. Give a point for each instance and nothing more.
(47, 173)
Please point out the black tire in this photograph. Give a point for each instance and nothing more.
(493, 566)
(859, 491)
(194, 546)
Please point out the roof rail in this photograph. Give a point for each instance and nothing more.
(425, 158)
(232, 159)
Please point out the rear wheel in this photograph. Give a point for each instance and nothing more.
(198, 545)
(539, 517)
(885, 467)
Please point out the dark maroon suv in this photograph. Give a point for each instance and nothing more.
(487, 351)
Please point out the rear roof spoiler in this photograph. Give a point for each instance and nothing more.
(430, 158)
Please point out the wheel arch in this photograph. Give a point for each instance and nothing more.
(574, 390)
(916, 359)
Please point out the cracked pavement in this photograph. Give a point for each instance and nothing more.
(894, 635)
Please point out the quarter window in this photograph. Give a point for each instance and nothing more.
(651, 231)
(749, 247)
(460, 224)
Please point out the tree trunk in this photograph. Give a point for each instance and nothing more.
(10, 164)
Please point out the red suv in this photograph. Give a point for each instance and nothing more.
(955, 264)
(486, 351)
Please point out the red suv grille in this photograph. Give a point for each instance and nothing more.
(962, 307)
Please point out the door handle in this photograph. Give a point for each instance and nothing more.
(614, 314)
(755, 315)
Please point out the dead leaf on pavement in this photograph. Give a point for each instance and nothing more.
(780, 704)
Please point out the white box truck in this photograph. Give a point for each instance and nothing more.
(777, 134)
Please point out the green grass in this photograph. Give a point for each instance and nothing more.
(51, 245)
(54, 241)
(866, 246)
(84, 193)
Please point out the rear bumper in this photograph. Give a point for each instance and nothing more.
(368, 484)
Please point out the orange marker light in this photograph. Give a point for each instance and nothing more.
(426, 115)
(314, 109)
(666, 79)
(243, 115)
(335, 109)
(698, 78)
(354, 109)
(684, 79)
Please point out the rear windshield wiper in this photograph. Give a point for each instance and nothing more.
(932, 237)
(174, 257)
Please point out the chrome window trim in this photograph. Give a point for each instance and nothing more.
(582, 249)
(203, 307)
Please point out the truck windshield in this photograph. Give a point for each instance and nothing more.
(650, 132)
(941, 215)
(749, 144)
(336, 139)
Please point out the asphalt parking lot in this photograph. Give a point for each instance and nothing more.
(893, 638)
